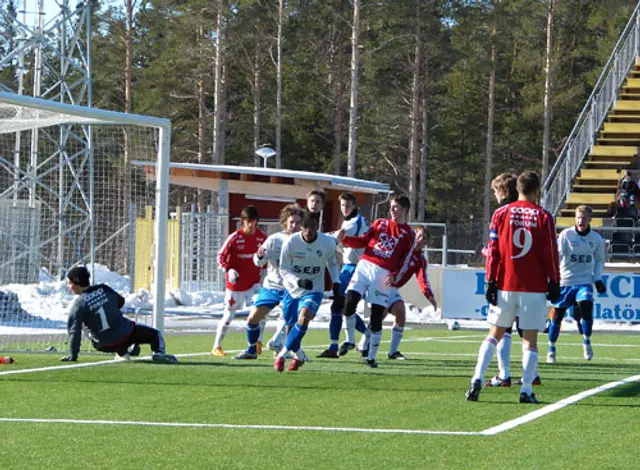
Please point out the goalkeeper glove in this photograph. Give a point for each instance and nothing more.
(491, 292)
(600, 287)
(305, 284)
(553, 291)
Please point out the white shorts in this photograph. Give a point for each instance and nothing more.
(394, 296)
(368, 279)
(233, 300)
(529, 307)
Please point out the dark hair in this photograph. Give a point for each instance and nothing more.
(349, 197)
(505, 183)
(249, 213)
(288, 211)
(528, 183)
(402, 200)
(79, 275)
(318, 192)
(309, 217)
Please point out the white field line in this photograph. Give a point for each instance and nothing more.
(237, 426)
(508, 425)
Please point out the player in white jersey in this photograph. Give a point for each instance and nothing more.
(354, 225)
(581, 265)
(272, 290)
(305, 255)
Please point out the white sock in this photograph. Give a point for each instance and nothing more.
(223, 327)
(364, 340)
(374, 345)
(530, 369)
(278, 336)
(263, 323)
(350, 328)
(504, 356)
(396, 337)
(283, 352)
(485, 354)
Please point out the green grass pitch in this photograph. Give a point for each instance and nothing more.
(426, 392)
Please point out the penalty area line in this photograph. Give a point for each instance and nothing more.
(236, 426)
(514, 423)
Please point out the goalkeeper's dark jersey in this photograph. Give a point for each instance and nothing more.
(98, 309)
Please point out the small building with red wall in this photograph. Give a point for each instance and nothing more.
(269, 189)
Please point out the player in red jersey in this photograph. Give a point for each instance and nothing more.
(522, 265)
(243, 276)
(387, 245)
(418, 267)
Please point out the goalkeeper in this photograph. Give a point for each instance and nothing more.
(98, 309)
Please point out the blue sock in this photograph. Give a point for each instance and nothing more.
(253, 333)
(587, 329)
(554, 331)
(335, 325)
(294, 338)
(360, 326)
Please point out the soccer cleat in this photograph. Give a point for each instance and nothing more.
(588, 351)
(364, 353)
(218, 352)
(246, 355)
(396, 356)
(278, 364)
(474, 391)
(275, 347)
(498, 382)
(536, 381)
(124, 357)
(529, 398)
(300, 354)
(371, 363)
(134, 350)
(162, 358)
(328, 354)
(551, 357)
(345, 348)
(259, 347)
(295, 364)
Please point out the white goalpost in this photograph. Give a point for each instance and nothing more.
(70, 196)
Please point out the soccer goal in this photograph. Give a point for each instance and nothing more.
(70, 196)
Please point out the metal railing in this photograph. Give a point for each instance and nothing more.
(583, 135)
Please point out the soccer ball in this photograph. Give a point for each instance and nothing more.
(453, 326)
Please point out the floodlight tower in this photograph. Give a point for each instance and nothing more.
(52, 60)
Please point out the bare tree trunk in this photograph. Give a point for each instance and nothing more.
(489, 150)
(339, 87)
(422, 197)
(547, 94)
(413, 122)
(279, 87)
(257, 88)
(223, 114)
(353, 105)
(200, 84)
(128, 106)
(218, 99)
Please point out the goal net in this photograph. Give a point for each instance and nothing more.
(69, 196)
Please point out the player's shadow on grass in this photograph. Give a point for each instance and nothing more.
(626, 391)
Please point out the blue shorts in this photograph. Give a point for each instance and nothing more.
(268, 297)
(345, 277)
(291, 307)
(569, 295)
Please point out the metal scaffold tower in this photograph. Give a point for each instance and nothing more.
(50, 59)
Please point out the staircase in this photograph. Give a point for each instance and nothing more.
(605, 140)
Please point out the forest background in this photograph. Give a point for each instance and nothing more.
(432, 97)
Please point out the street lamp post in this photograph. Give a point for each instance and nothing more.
(265, 153)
